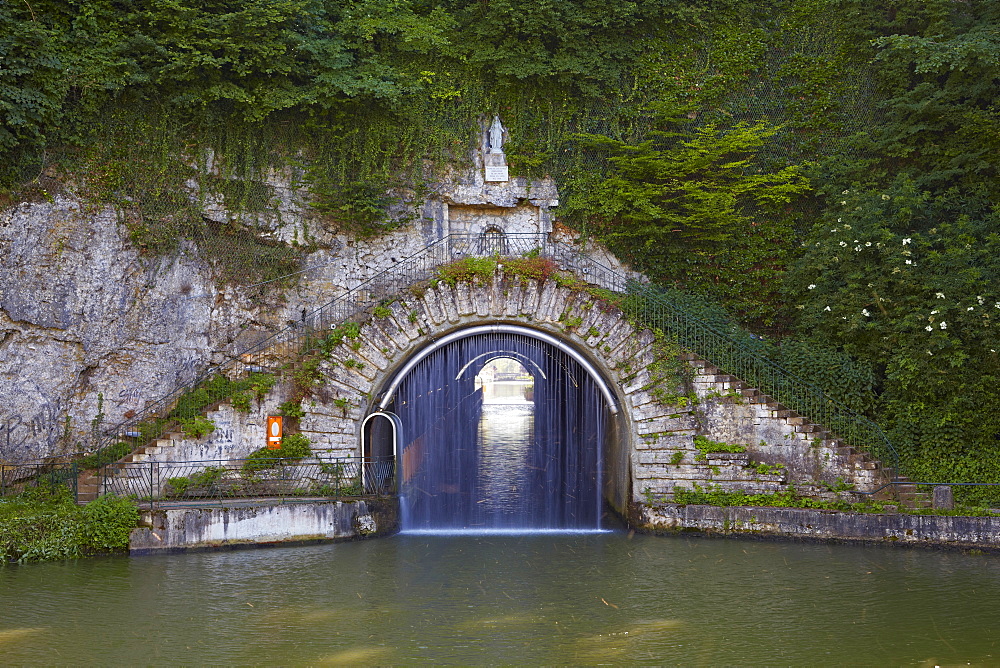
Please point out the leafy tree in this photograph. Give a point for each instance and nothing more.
(693, 206)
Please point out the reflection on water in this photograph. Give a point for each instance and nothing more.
(506, 432)
(531, 599)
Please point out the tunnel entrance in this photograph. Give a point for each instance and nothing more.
(500, 431)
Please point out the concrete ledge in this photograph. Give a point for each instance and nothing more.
(262, 523)
(826, 525)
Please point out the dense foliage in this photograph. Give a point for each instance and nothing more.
(825, 169)
(45, 523)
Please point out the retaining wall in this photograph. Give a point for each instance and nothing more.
(981, 533)
(181, 529)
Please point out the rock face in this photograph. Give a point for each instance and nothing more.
(91, 331)
(81, 316)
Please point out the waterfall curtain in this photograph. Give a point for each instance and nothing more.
(441, 466)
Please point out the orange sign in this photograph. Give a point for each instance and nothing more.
(273, 432)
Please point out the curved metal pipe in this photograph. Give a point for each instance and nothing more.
(498, 329)
(510, 354)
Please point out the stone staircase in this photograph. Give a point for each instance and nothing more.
(710, 379)
(88, 484)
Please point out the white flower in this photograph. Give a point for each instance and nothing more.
(885, 197)
(843, 243)
(812, 285)
(929, 352)
(847, 227)
(944, 325)
(834, 229)
(992, 351)
(906, 240)
(857, 248)
(980, 299)
(934, 312)
(865, 312)
(868, 243)
(839, 219)
(845, 192)
(827, 308)
(997, 304)
(843, 203)
(970, 309)
(929, 328)
(909, 262)
(939, 295)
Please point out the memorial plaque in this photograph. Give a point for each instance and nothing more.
(497, 173)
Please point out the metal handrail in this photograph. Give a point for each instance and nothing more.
(651, 308)
(154, 483)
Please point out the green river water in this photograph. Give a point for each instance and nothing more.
(543, 599)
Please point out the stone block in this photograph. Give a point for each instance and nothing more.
(406, 324)
(944, 498)
(463, 300)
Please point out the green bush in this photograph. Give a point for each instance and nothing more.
(292, 409)
(106, 455)
(706, 445)
(293, 446)
(45, 524)
(197, 426)
(207, 478)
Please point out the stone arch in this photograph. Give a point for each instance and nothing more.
(599, 335)
(495, 328)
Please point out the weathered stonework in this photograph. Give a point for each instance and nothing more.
(89, 326)
(213, 528)
(883, 528)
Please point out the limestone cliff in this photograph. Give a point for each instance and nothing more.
(89, 325)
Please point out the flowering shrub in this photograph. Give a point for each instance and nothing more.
(899, 281)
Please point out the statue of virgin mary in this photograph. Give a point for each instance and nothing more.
(496, 135)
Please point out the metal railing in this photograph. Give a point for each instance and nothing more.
(756, 370)
(155, 484)
(19, 478)
(650, 308)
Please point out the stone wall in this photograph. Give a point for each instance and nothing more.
(214, 528)
(883, 528)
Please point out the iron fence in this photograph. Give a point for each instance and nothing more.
(19, 478)
(155, 483)
(655, 310)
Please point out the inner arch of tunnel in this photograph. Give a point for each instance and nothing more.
(578, 455)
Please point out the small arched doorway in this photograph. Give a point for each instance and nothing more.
(493, 241)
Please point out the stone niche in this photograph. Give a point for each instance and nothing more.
(465, 202)
(473, 206)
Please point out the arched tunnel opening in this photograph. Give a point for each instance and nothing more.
(500, 428)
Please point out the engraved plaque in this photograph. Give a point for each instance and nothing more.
(497, 173)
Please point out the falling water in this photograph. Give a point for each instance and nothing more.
(514, 463)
